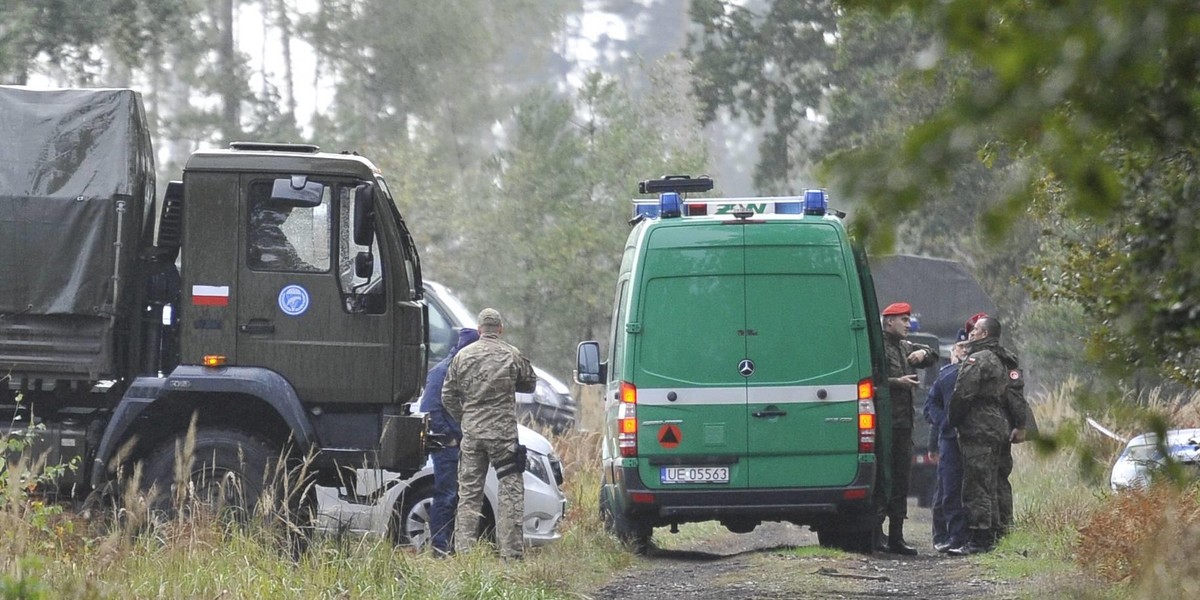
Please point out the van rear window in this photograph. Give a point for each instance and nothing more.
(690, 328)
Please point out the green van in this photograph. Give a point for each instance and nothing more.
(743, 367)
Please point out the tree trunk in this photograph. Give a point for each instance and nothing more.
(230, 102)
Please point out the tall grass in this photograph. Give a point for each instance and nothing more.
(1136, 544)
(47, 553)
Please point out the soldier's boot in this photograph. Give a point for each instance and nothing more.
(896, 543)
(979, 542)
(880, 543)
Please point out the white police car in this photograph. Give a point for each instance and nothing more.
(1142, 456)
(381, 503)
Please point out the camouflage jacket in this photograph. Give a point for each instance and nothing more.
(896, 349)
(977, 406)
(481, 385)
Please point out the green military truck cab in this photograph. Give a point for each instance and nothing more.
(273, 297)
(742, 371)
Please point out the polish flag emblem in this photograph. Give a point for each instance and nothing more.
(210, 295)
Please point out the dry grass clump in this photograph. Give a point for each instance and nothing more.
(1128, 536)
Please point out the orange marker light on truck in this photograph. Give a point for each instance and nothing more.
(627, 420)
(213, 360)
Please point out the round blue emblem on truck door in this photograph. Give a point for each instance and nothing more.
(293, 300)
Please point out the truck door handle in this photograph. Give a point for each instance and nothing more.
(257, 326)
(766, 414)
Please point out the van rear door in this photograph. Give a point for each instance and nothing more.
(803, 320)
(690, 331)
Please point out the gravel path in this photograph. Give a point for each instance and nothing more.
(763, 565)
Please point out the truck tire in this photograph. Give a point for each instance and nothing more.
(633, 534)
(229, 472)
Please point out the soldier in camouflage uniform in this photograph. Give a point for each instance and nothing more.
(480, 393)
(1016, 409)
(903, 360)
(977, 409)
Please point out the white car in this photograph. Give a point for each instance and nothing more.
(1141, 457)
(381, 503)
(550, 405)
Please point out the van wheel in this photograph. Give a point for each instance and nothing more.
(851, 540)
(633, 534)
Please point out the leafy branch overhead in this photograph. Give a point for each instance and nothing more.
(1100, 101)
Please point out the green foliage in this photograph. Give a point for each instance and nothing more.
(543, 239)
(1100, 101)
(766, 60)
(71, 35)
(446, 65)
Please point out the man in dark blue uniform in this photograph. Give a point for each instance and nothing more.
(445, 460)
(949, 516)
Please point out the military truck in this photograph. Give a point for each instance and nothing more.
(271, 301)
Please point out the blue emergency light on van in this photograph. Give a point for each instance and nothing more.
(815, 202)
(671, 205)
(648, 210)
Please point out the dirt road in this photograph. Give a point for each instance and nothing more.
(763, 565)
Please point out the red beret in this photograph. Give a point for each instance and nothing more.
(970, 324)
(897, 308)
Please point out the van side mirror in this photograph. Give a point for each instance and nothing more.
(364, 214)
(589, 369)
(364, 265)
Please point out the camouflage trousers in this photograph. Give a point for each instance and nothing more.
(1004, 496)
(980, 474)
(474, 456)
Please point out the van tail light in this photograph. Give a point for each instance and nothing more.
(866, 417)
(627, 425)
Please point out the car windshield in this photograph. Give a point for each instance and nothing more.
(1143, 453)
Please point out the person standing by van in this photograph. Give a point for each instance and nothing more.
(977, 409)
(480, 393)
(445, 459)
(903, 359)
(949, 517)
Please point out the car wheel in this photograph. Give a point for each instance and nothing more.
(632, 533)
(410, 518)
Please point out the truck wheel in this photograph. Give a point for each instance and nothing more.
(633, 534)
(228, 474)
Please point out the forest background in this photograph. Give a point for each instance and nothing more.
(1051, 147)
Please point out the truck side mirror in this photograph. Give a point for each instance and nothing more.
(588, 368)
(364, 265)
(364, 214)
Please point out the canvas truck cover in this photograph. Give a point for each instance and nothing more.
(943, 293)
(76, 177)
